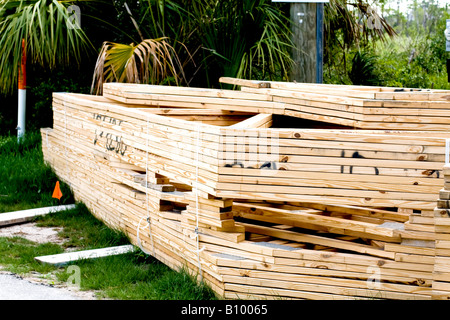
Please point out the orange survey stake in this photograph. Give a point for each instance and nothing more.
(57, 192)
(22, 68)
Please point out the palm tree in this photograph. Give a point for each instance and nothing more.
(351, 25)
(244, 38)
(150, 61)
(354, 22)
(236, 38)
(50, 39)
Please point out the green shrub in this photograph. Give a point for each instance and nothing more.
(364, 71)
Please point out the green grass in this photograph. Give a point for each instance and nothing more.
(81, 229)
(26, 182)
(133, 276)
(17, 255)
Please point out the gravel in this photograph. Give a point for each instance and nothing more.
(13, 287)
(35, 286)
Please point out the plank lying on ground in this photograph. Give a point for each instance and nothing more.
(64, 258)
(14, 217)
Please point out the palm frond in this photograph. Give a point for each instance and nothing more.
(151, 61)
(356, 22)
(49, 40)
(244, 38)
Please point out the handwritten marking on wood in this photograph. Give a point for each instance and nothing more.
(113, 142)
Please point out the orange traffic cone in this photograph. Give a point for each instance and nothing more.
(57, 192)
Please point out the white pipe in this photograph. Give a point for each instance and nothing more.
(21, 112)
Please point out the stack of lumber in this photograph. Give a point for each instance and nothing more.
(134, 170)
(365, 168)
(441, 273)
(291, 252)
(382, 168)
(361, 107)
(181, 97)
(209, 184)
(328, 252)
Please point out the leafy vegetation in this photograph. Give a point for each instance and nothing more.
(415, 57)
(238, 38)
(133, 276)
(244, 39)
(49, 39)
(364, 69)
(203, 40)
(82, 230)
(17, 255)
(151, 61)
(351, 27)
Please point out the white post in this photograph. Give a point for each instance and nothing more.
(21, 113)
(22, 93)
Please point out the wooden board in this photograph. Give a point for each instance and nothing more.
(65, 258)
(8, 218)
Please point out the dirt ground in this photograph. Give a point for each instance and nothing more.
(42, 235)
(32, 232)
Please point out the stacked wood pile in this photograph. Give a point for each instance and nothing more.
(441, 274)
(204, 179)
(383, 168)
(359, 107)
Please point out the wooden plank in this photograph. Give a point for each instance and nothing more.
(234, 290)
(122, 88)
(344, 200)
(9, 218)
(247, 83)
(298, 190)
(254, 122)
(307, 101)
(342, 161)
(64, 258)
(349, 287)
(317, 240)
(392, 247)
(405, 177)
(303, 219)
(345, 271)
(276, 181)
(303, 86)
(360, 211)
